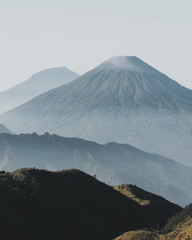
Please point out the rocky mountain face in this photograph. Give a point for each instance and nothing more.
(42, 205)
(123, 100)
(112, 163)
(39, 83)
(3, 129)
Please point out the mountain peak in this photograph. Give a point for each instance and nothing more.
(53, 71)
(123, 100)
(127, 63)
(37, 84)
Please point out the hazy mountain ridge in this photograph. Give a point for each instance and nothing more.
(123, 100)
(112, 163)
(3, 129)
(37, 84)
(37, 204)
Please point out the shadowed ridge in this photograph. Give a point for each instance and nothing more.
(178, 227)
(139, 195)
(66, 205)
(148, 200)
(181, 217)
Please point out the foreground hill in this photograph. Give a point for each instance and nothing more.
(146, 199)
(112, 163)
(123, 100)
(37, 204)
(179, 227)
(3, 129)
(182, 232)
(39, 83)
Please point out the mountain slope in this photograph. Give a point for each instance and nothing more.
(146, 199)
(39, 83)
(123, 100)
(37, 204)
(182, 232)
(181, 217)
(3, 129)
(112, 163)
(178, 228)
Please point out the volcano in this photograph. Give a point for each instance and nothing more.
(124, 100)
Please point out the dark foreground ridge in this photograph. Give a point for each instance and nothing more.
(38, 204)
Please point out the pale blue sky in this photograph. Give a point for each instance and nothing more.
(80, 34)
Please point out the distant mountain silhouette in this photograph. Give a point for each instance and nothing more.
(112, 163)
(123, 100)
(39, 83)
(42, 205)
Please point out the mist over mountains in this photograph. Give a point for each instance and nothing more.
(122, 122)
(123, 100)
(112, 163)
(39, 83)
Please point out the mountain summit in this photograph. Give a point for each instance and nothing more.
(123, 99)
(38, 83)
(128, 63)
(134, 83)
